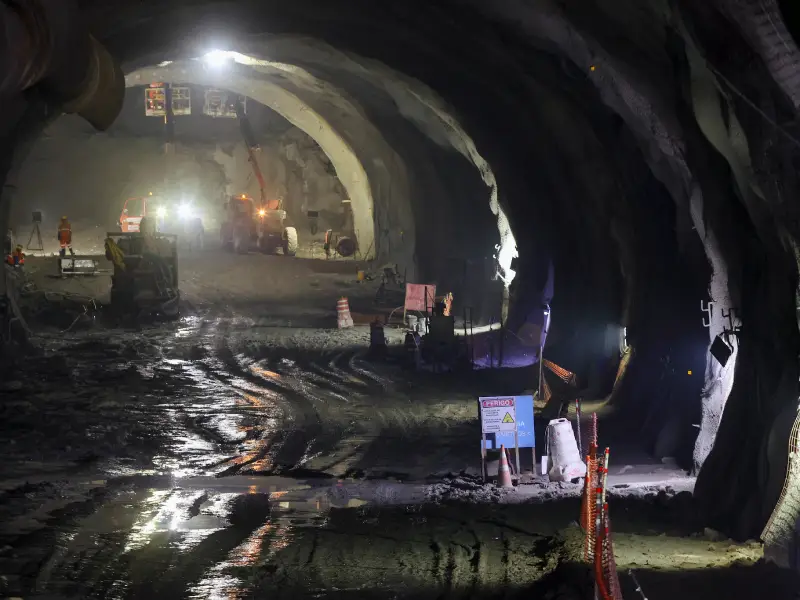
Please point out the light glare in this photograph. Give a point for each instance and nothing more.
(218, 58)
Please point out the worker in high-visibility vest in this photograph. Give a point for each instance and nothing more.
(16, 258)
(65, 236)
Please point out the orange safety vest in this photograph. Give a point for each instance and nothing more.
(16, 258)
(65, 232)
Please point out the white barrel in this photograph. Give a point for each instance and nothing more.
(565, 459)
(422, 325)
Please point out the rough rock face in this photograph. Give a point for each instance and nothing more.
(648, 147)
(87, 176)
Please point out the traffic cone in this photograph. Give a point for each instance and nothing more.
(343, 317)
(504, 472)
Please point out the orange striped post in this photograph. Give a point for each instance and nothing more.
(601, 589)
(606, 566)
(588, 501)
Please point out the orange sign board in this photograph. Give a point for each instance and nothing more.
(420, 297)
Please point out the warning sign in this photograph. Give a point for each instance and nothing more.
(498, 415)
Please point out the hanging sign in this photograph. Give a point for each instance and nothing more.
(219, 103)
(155, 102)
(181, 101)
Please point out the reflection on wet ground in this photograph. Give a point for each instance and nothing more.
(132, 454)
(216, 459)
(244, 537)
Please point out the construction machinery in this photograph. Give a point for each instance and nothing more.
(249, 224)
(145, 277)
(134, 210)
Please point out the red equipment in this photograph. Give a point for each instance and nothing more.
(133, 211)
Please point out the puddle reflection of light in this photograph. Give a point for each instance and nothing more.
(170, 511)
(175, 362)
(218, 586)
(147, 522)
(264, 372)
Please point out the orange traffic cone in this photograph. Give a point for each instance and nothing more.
(504, 473)
(343, 317)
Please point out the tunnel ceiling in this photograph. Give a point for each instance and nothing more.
(648, 148)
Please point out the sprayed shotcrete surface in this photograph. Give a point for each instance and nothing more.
(233, 454)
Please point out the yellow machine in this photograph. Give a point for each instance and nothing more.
(145, 279)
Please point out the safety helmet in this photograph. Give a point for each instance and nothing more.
(64, 218)
(19, 246)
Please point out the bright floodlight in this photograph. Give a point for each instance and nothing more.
(217, 58)
(185, 211)
(262, 212)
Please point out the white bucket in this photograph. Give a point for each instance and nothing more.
(422, 325)
(562, 448)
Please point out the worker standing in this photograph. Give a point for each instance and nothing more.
(65, 236)
(196, 234)
(16, 258)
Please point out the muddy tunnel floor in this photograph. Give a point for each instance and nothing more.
(218, 457)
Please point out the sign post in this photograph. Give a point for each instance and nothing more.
(521, 436)
(498, 416)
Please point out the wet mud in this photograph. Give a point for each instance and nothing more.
(219, 457)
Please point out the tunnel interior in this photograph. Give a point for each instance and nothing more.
(624, 146)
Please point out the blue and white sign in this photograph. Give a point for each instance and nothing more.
(525, 429)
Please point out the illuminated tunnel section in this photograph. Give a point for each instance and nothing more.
(406, 163)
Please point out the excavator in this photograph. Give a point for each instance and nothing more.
(249, 224)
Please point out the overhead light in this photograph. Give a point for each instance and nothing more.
(218, 58)
(262, 212)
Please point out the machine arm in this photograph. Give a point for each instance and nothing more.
(252, 147)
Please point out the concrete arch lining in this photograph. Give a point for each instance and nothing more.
(417, 102)
(348, 166)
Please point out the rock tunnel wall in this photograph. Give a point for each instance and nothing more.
(74, 171)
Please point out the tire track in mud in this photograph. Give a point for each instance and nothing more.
(298, 434)
(307, 430)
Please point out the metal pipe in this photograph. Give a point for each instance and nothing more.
(46, 44)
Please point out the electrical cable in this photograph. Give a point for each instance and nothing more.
(752, 105)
